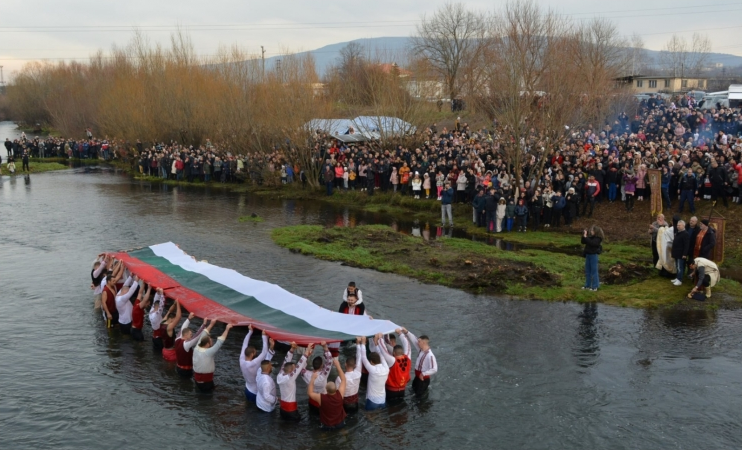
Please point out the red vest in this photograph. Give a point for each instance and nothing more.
(184, 359)
(110, 299)
(331, 411)
(399, 373)
(137, 316)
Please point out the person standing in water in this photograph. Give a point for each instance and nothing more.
(286, 380)
(203, 360)
(266, 399)
(250, 362)
(330, 404)
(426, 364)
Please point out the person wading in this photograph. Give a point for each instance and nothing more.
(331, 411)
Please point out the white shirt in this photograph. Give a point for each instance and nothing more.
(352, 378)
(377, 375)
(124, 306)
(203, 358)
(250, 368)
(320, 384)
(155, 314)
(358, 294)
(266, 397)
(426, 362)
(287, 382)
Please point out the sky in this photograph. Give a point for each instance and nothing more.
(74, 29)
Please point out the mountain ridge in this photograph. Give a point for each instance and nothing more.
(327, 55)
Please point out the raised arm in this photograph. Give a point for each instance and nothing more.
(405, 342)
(186, 324)
(328, 360)
(383, 352)
(219, 341)
(310, 389)
(341, 374)
(289, 357)
(246, 342)
(178, 313)
(266, 348)
(127, 296)
(187, 345)
(357, 368)
(412, 338)
(144, 296)
(101, 267)
(129, 280)
(364, 360)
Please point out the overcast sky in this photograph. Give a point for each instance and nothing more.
(61, 29)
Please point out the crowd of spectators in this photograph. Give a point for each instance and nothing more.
(698, 151)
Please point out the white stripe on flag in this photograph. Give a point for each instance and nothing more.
(275, 296)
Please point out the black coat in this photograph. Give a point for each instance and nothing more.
(592, 244)
(681, 244)
(707, 244)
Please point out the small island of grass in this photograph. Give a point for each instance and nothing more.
(536, 273)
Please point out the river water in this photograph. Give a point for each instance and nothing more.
(513, 374)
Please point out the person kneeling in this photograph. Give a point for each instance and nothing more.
(705, 275)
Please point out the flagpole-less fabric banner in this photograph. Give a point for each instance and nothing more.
(228, 296)
(655, 184)
(718, 223)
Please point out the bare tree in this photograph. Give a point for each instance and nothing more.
(452, 37)
(638, 56)
(683, 59)
(546, 76)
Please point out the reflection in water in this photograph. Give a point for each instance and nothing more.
(349, 217)
(701, 318)
(587, 349)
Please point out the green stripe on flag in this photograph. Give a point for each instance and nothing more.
(236, 301)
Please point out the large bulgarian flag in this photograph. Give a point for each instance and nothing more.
(225, 295)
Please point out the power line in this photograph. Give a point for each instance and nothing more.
(324, 25)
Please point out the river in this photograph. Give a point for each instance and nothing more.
(513, 374)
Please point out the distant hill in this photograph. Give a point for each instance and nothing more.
(326, 56)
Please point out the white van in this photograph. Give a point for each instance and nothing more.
(715, 100)
(735, 95)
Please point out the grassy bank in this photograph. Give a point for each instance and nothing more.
(626, 231)
(478, 267)
(34, 167)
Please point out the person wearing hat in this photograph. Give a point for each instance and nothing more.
(705, 241)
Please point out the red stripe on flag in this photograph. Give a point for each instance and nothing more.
(203, 306)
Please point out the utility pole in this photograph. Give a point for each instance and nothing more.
(262, 57)
(2, 81)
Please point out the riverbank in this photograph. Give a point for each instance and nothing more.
(34, 167)
(474, 266)
(626, 231)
